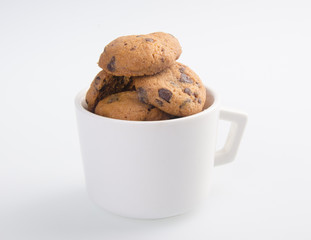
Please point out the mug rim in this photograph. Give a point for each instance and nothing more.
(80, 98)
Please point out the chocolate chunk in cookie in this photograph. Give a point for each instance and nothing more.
(111, 65)
(165, 94)
(142, 95)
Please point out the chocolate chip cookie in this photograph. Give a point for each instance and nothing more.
(126, 106)
(139, 55)
(103, 85)
(177, 90)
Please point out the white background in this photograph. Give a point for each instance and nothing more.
(255, 54)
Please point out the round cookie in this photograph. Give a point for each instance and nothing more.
(177, 90)
(139, 55)
(103, 85)
(126, 106)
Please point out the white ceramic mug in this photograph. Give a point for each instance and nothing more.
(153, 169)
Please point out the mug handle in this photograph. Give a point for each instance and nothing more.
(238, 122)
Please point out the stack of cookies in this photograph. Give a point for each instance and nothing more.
(141, 80)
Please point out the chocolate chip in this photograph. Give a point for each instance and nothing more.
(184, 78)
(198, 84)
(125, 44)
(133, 48)
(150, 107)
(188, 91)
(199, 101)
(111, 66)
(149, 40)
(159, 102)
(185, 102)
(162, 60)
(181, 70)
(113, 98)
(195, 94)
(97, 80)
(165, 94)
(142, 95)
(162, 49)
